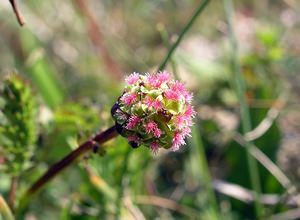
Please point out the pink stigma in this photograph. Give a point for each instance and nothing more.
(128, 99)
(178, 140)
(154, 146)
(132, 122)
(153, 103)
(189, 112)
(155, 80)
(163, 77)
(132, 78)
(172, 94)
(151, 127)
(157, 132)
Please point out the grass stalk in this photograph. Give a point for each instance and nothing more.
(189, 24)
(5, 211)
(198, 152)
(240, 87)
(121, 189)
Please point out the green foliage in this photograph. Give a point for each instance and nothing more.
(41, 70)
(18, 131)
(56, 50)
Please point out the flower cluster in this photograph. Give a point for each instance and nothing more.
(154, 111)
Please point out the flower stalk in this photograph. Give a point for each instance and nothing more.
(5, 212)
(187, 27)
(70, 158)
(154, 111)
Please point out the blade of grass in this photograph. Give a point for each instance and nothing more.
(189, 24)
(271, 167)
(198, 153)
(121, 189)
(5, 212)
(245, 114)
(41, 71)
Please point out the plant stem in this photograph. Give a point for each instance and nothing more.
(12, 192)
(5, 212)
(20, 18)
(245, 114)
(198, 11)
(58, 167)
(198, 152)
(121, 189)
(165, 37)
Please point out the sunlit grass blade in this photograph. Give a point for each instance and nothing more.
(240, 87)
(41, 71)
(201, 168)
(5, 211)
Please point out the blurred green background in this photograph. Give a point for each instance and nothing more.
(74, 56)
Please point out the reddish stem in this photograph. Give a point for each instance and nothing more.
(95, 35)
(20, 18)
(71, 157)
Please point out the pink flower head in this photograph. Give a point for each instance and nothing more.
(187, 96)
(154, 146)
(163, 77)
(128, 99)
(155, 80)
(150, 126)
(178, 90)
(178, 86)
(186, 132)
(132, 78)
(189, 112)
(133, 122)
(172, 94)
(154, 103)
(154, 111)
(178, 140)
(180, 121)
(157, 132)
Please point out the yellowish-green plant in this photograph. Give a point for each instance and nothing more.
(18, 130)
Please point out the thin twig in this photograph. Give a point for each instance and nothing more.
(190, 23)
(166, 203)
(20, 18)
(293, 214)
(271, 167)
(247, 196)
(268, 121)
